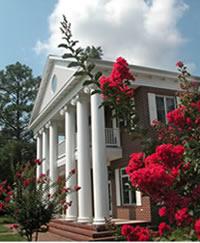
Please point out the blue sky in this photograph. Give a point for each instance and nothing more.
(21, 23)
(27, 33)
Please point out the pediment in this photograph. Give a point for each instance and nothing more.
(56, 75)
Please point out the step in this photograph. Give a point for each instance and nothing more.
(80, 225)
(72, 229)
(81, 231)
(70, 235)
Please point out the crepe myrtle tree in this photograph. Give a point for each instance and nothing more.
(29, 200)
(171, 174)
(114, 89)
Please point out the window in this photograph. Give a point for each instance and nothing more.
(164, 104)
(128, 194)
(54, 84)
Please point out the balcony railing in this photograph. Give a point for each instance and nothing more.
(112, 139)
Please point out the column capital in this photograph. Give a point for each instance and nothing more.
(64, 109)
(36, 135)
(89, 88)
(47, 125)
(41, 130)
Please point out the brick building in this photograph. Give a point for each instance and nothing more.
(72, 132)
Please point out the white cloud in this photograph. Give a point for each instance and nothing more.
(145, 32)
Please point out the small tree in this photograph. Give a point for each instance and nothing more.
(30, 202)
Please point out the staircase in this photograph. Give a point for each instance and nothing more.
(80, 232)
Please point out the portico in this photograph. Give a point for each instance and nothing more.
(86, 145)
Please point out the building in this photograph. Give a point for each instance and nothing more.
(72, 132)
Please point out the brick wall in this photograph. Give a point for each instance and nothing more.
(130, 146)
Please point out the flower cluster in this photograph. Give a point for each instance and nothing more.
(115, 84)
(157, 172)
(6, 193)
(163, 228)
(137, 233)
(182, 217)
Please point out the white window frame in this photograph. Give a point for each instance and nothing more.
(121, 188)
(165, 103)
(153, 107)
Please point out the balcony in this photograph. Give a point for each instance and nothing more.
(112, 139)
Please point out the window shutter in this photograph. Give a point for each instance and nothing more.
(117, 184)
(138, 198)
(152, 107)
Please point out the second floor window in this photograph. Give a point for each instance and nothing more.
(164, 104)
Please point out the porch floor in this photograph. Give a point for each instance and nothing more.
(118, 221)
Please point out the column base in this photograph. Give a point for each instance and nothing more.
(84, 220)
(70, 218)
(99, 221)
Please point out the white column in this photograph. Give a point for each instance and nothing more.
(70, 160)
(100, 173)
(39, 155)
(45, 151)
(53, 151)
(84, 168)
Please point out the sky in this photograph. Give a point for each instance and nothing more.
(152, 33)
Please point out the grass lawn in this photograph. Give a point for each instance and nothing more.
(4, 229)
(11, 237)
(5, 233)
(6, 220)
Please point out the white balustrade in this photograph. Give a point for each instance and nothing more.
(112, 136)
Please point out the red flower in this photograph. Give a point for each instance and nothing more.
(197, 228)
(18, 174)
(126, 229)
(170, 155)
(1, 206)
(7, 199)
(162, 212)
(137, 233)
(179, 64)
(182, 217)
(177, 117)
(14, 226)
(135, 162)
(163, 228)
(64, 190)
(76, 188)
(38, 162)
(26, 182)
(73, 171)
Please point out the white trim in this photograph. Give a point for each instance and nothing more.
(117, 184)
(110, 192)
(138, 198)
(178, 100)
(152, 107)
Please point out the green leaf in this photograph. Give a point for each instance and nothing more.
(90, 67)
(88, 82)
(97, 91)
(67, 55)
(98, 75)
(73, 64)
(63, 46)
(74, 43)
(80, 73)
(79, 50)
